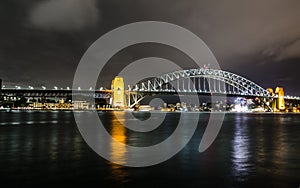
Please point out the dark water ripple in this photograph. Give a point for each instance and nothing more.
(252, 150)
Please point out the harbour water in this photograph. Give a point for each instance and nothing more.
(45, 149)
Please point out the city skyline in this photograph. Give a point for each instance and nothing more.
(258, 40)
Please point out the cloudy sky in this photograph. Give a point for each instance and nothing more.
(42, 41)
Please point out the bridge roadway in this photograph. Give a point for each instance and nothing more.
(105, 94)
(209, 93)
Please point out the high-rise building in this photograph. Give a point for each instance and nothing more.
(118, 92)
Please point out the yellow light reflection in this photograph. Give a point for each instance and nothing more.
(118, 151)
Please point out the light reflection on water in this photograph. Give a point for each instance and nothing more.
(241, 153)
(251, 150)
(29, 123)
(118, 151)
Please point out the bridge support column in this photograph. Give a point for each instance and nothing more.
(118, 92)
(280, 101)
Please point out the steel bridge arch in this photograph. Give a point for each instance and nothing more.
(244, 85)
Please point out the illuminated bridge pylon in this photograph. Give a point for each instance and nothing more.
(200, 81)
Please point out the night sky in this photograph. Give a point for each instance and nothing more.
(42, 41)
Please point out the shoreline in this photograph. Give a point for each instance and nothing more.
(127, 111)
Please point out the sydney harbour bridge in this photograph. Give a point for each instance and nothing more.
(201, 81)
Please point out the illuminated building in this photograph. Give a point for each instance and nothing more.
(118, 93)
(80, 105)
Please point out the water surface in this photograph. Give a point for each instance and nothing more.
(251, 150)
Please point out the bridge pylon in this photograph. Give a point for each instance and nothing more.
(118, 99)
(277, 103)
(280, 100)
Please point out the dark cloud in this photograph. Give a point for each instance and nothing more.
(291, 50)
(43, 41)
(62, 15)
